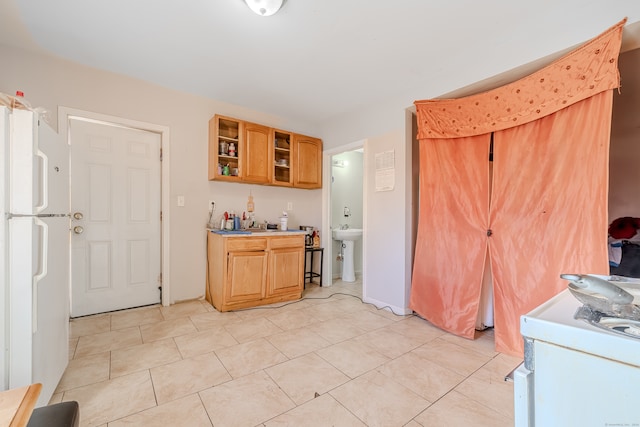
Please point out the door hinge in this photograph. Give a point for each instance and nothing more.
(161, 154)
(160, 215)
(160, 280)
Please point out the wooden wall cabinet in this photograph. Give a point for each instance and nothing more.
(263, 155)
(307, 152)
(249, 271)
(224, 131)
(257, 154)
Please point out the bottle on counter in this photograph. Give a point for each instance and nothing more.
(250, 205)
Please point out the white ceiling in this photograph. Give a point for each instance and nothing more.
(315, 59)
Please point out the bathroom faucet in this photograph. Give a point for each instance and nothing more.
(344, 226)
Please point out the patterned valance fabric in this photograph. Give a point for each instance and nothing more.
(586, 71)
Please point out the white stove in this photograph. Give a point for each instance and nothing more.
(575, 373)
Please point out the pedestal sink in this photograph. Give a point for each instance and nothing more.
(347, 238)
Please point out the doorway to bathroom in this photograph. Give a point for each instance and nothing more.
(346, 213)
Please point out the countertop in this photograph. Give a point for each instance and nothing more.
(249, 233)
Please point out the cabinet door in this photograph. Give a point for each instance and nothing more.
(257, 154)
(287, 265)
(225, 148)
(246, 276)
(307, 171)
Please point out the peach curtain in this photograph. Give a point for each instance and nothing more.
(452, 231)
(548, 210)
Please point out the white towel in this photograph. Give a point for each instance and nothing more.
(615, 252)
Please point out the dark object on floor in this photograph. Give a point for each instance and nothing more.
(65, 414)
(630, 262)
(624, 228)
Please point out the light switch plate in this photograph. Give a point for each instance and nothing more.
(180, 200)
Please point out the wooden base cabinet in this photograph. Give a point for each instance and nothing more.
(246, 276)
(250, 271)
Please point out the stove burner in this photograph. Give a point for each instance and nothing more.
(617, 325)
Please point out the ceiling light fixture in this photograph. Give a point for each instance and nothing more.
(264, 7)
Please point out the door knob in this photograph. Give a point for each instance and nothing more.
(78, 229)
(78, 215)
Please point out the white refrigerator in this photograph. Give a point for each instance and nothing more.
(34, 245)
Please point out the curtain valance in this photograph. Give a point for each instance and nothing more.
(582, 73)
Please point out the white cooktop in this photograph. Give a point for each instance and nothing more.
(553, 322)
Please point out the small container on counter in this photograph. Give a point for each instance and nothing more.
(283, 223)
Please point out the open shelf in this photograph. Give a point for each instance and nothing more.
(282, 158)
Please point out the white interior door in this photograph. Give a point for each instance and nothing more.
(115, 207)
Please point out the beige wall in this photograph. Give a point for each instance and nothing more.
(387, 263)
(624, 183)
(51, 82)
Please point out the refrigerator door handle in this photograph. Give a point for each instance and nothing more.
(42, 271)
(45, 181)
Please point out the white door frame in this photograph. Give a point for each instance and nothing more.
(326, 209)
(65, 113)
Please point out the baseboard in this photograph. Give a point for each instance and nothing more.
(400, 311)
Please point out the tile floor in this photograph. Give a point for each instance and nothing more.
(328, 360)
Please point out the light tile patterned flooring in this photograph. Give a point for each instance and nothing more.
(328, 360)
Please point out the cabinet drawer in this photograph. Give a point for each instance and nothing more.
(287, 242)
(246, 244)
